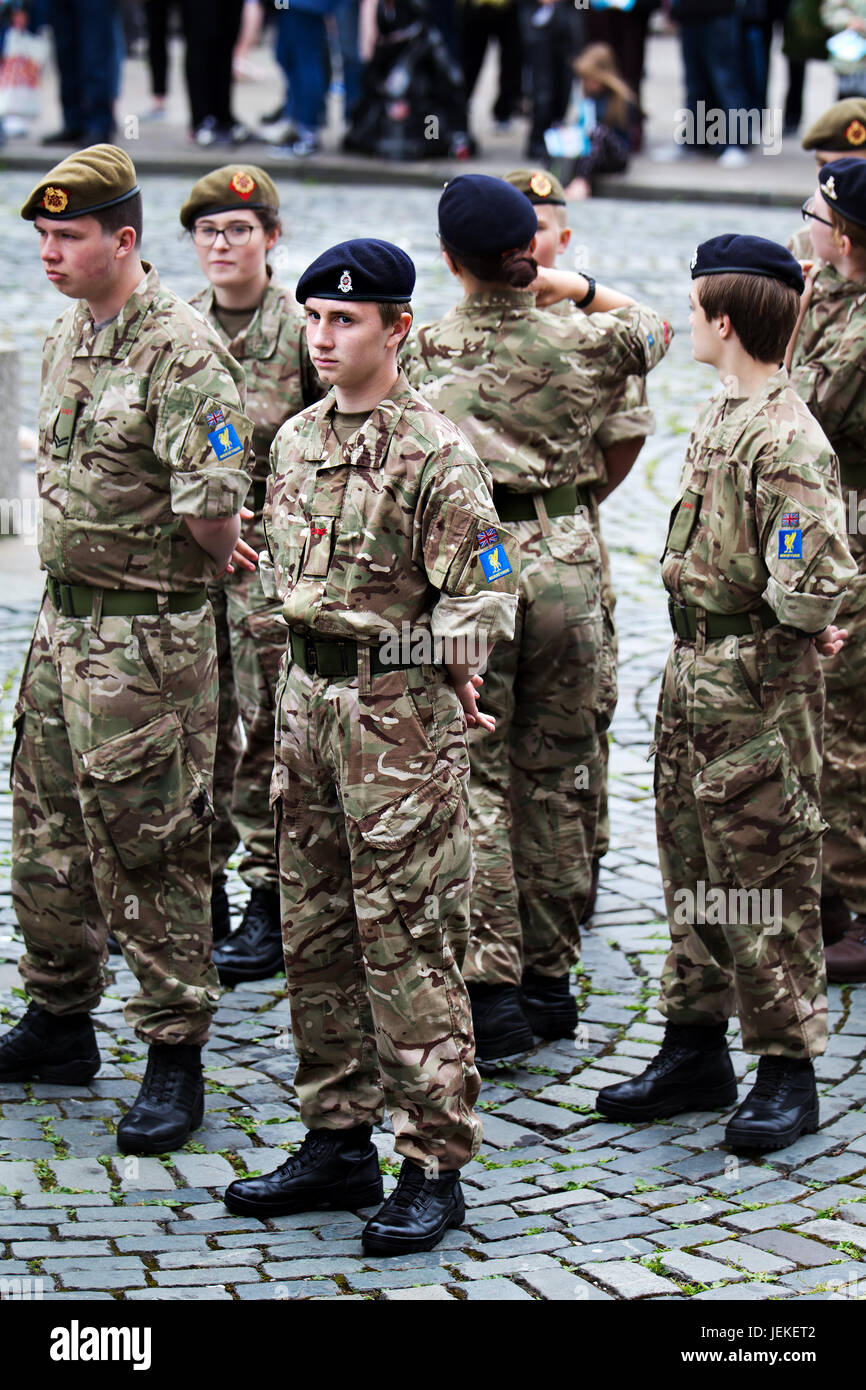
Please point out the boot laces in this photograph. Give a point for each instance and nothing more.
(773, 1078)
(410, 1188)
(164, 1079)
(315, 1146)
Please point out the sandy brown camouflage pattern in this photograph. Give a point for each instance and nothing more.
(115, 733)
(124, 452)
(251, 632)
(369, 783)
(530, 389)
(829, 373)
(739, 727)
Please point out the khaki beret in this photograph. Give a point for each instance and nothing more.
(87, 181)
(842, 128)
(228, 188)
(540, 186)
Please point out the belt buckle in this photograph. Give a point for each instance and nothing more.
(310, 655)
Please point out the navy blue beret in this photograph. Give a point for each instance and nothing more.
(481, 216)
(747, 255)
(843, 187)
(364, 269)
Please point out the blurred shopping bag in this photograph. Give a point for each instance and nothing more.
(24, 57)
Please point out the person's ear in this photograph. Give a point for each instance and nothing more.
(564, 239)
(724, 326)
(124, 242)
(399, 331)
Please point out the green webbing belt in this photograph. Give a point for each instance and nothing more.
(684, 621)
(519, 506)
(76, 600)
(322, 657)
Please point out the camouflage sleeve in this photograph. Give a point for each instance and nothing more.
(630, 416)
(203, 435)
(801, 526)
(412, 360)
(834, 389)
(467, 553)
(267, 573)
(800, 245)
(631, 342)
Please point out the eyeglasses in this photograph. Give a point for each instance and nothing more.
(236, 234)
(806, 212)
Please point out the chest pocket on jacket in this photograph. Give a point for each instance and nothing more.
(682, 523)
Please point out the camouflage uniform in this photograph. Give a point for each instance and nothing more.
(115, 720)
(829, 373)
(369, 782)
(530, 389)
(251, 631)
(738, 731)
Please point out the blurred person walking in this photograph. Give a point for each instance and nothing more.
(85, 42)
(210, 30)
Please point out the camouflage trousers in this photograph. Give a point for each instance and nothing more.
(111, 811)
(369, 792)
(251, 640)
(843, 783)
(607, 692)
(534, 788)
(738, 759)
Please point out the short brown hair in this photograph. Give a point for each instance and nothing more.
(762, 311)
(125, 214)
(843, 227)
(390, 316)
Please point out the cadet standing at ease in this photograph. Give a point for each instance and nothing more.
(142, 470)
(384, 540)
(755, 566)
(233, 217)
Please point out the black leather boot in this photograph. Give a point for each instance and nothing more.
(220, 918)
(548, 1004)
(333, 1169)
(50, 1047)
(502, 1031)
(170, 1104)
(782, 1105)
(255, 950)
(417, 1214)
(836, 918)
(691, 1072)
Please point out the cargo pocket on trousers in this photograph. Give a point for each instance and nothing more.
(152, 798)
(756, 814)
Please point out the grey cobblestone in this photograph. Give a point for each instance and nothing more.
(629, 1280)
(561, 1284)
(496, 1290)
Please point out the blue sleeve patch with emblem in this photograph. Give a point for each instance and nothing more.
(494, 563)
(224, 442)
(790, 545)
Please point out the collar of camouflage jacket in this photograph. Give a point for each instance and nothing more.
(259, 338)
(739, 413)
(497, 299)
(117, 337)
(370, 444)
(829, 284)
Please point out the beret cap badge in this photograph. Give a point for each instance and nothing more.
(855, 133)
(55, 199)
(242, 183)
(541, 185)
(829, 187)
(345, 283)
(693, 262)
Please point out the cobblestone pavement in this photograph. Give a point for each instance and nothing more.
(561, 1204)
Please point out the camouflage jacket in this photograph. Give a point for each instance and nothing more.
(829, 366)
(530, 388)
(272, 350)
(395, 526)
(140, 425)
(759, 515)
(629, 417)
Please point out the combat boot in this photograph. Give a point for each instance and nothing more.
(50, 1047)
(836, 919)
(782, 1105)
(417, 1214)
(589, 905)
(255, 950)
(334, 1169)
(549, 1005)
(220, 918)
(692, 1071)
(170, 1103)
(846, 958)
(502, 1031)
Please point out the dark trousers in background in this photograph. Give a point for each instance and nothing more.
(480, 26)
(714, 65)
(210, 29)
(85, 40)
(302, 55)
(158, 14)
(550, 48)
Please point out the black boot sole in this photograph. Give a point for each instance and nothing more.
(373, 1194)
(237, 975)
(63, 1073)
(143, 1144)
(410, 1245)
(707, 1098)
(746, 1140)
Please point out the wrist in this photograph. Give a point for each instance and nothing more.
(583, 301)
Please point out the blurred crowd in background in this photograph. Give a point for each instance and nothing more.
(406, 70)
